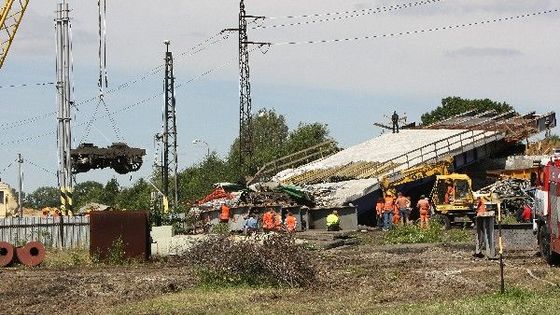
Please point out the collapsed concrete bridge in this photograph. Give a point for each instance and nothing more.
(351, 176)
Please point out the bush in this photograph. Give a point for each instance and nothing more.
(276, 261)
(412, 234)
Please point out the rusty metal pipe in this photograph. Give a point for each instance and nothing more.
(32, 254)
(7, 255)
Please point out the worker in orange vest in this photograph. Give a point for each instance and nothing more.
(424, 208)
(396, 215)
(449, 193)
(290, 222)
(268, 220)
(224, 213)
(388, 209)
(379, 211)
(480, 206)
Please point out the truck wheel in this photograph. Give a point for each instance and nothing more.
(544, 246)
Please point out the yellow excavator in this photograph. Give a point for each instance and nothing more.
(11, 14)
(451, 195)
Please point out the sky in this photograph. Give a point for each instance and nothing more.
(347, 85)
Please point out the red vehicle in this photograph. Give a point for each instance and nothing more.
(547, 211)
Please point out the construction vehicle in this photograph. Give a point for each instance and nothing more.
(8, 201)
(11, 14)
(547, 211)
(389, 182)
(445, 209)
(459, 203)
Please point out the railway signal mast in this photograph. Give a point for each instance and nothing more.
(64, 99)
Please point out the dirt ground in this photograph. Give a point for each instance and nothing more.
(379, 274)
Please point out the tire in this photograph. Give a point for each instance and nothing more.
(544, 246)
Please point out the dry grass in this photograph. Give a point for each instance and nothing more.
(285, 301)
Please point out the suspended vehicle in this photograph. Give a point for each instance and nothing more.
(118, 156)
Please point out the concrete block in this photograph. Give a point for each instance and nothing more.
(164, 231)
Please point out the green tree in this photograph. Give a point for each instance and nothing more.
(43, 197)
(269, 136)
(136, 197)
(452, 106)
(87, 192)
(196, 181)
(305, 136)
(272, 140)
(110, 192)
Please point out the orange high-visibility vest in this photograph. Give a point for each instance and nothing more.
(424, 206)
(224, 213)
(291, 223)
(389, 203)
(268, 220)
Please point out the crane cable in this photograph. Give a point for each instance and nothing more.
(103, 81)
(131, 106)
(338, 16)
(419, 31)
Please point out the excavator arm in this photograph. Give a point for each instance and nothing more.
(389, 182)
(11, 13)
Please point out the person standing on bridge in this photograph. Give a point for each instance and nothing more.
(395, 119)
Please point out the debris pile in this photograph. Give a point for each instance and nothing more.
(511, 193)
(507, 188)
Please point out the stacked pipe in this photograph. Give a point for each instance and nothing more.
(31, 254)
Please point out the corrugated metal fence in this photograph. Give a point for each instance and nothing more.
(72, 233)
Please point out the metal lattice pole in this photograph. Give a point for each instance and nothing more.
(169, 136)
(245, 124)
(245, 131)
(64, 96)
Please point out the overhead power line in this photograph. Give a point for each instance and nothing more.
(126, 108)
(419, 31)
(44, 169)
(210, 41)
(337, 16)
(25, 85)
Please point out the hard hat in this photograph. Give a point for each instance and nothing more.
(422, 197)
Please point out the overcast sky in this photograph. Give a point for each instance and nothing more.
(346, 85)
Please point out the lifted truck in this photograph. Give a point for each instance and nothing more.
(118, 156)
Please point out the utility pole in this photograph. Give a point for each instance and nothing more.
(245, 123)
(20, 185)
(169, 135)
(64, 99)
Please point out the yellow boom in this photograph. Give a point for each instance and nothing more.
(10, 17)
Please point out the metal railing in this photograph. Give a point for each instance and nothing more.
(309, 155)
(55, 232)
(437, 150)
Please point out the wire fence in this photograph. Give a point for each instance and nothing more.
(53, 232)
